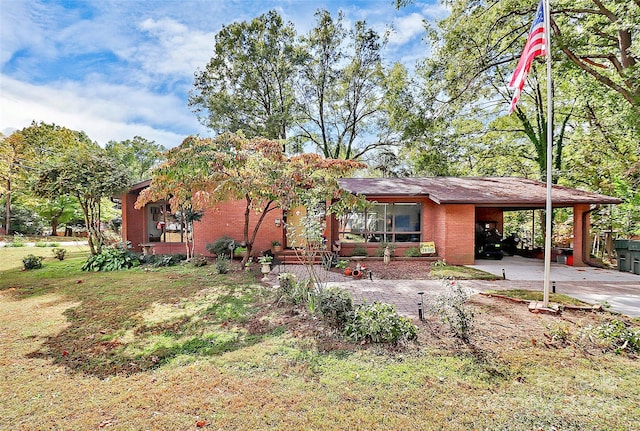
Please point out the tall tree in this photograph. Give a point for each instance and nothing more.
(15, 154)
(247, 84)
(89, 174)
(200, 173)
(602, 44)
(137, 155)
(341, 89)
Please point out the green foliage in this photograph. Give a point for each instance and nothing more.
(199, 261)
(138, 156)
(359, 251)
(18, 241)
(114, 258)
(161, 260)
(379, 251)
(379, 323)
(59, 253)
(616, 336)
(239, 251)
(32, 262)
(259, 57)
(89, 174)
(439, 264)
(452, 309)
(342, 264)
(412, 252)
(262, 260)
(335, 305)
(221, 246)
(222, 264)
(293, 291)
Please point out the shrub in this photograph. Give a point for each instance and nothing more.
(379, 252)
(452, 309)
(616, 336)
(32, 262)
(59, 253)
(335, 305)
(18, 241)
(221, 246)
(199, 261)
(379, 323)
(53, 244)
(412, 252)
(439, 264)
(160, 260)
(114, 258)
(294, 292)
(222, 264)
(359, 251)
(342, 264)
(41, 244)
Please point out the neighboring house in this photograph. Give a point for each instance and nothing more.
(407, 212)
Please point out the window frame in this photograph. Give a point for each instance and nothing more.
(389, 221)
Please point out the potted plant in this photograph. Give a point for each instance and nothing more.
(265, 262)
(276, 246)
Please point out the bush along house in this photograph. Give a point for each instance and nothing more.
(439, 216)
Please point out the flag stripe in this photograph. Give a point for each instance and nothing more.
(535, 46)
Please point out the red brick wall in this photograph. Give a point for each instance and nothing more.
(579, 235)
(491, 214)
(457, 222)
(227, 219)
(133, 222)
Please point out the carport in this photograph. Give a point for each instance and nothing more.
(450, 207)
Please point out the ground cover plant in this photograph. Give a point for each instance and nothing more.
(183, 347)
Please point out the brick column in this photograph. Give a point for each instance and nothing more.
(581, 234)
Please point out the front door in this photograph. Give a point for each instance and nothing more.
(294, 236)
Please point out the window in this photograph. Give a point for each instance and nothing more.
(397, 222)
(163, 225)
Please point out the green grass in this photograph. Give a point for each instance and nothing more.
(168, 348)
(459, 273)
(536, 295)
(11, 257)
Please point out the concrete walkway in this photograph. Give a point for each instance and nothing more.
(618, 289)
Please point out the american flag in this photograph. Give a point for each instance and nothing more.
(534, 47)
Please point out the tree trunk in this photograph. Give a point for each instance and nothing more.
(54, 226)
(7, 218)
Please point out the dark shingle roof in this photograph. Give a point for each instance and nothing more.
(488, 191)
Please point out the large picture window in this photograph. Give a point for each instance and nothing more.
(396, 222)
(163, 225)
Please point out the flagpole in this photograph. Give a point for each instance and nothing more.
(549, 206)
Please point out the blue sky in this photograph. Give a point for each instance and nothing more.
(117, 69)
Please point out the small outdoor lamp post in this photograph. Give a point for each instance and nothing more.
(420, 305)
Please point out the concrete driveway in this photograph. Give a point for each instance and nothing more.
(621, 290)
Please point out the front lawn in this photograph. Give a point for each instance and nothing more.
(183, 348)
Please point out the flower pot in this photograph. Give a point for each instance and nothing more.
(265, 269)
(347, 272)
(276, 248)
(357, 273)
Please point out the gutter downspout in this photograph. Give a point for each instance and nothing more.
(585, 240)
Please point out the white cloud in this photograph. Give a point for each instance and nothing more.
(173, 48)
(105, 112)
(407, 28)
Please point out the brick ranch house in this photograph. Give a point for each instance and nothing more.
(406, 212)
